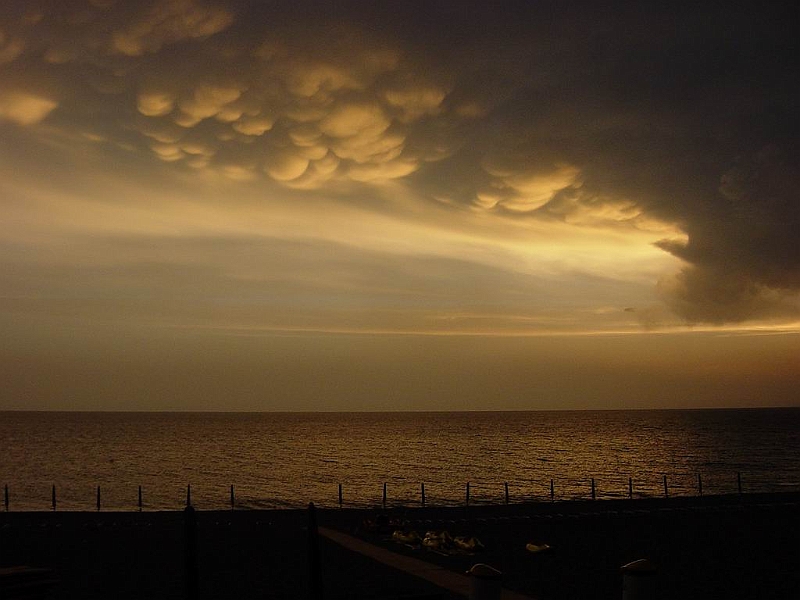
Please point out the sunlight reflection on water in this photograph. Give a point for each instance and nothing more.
(278, 460)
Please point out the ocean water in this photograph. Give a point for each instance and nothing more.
(289, 459)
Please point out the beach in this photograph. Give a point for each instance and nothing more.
(702, 547)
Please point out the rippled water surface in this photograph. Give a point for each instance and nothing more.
(287, 459)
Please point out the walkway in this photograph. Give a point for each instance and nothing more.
(452, 582)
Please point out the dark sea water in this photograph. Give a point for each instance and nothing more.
(289, 459)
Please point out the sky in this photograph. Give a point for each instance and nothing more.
(440, 205)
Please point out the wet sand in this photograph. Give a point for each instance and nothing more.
(712, 547)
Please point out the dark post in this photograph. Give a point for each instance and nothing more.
(190, 552)
(467, 496)
(630, 487)
(340, 495)
(739, 481)
(593, 496)
(54, 497)
(233, 498)
(422, 488)
(506, 487)
(5, 496)
(140, 498)
(666, 490)
(699, 484)
(189, 495)
(315, 568)
(98, 498)
(384, 494)
(552, 491)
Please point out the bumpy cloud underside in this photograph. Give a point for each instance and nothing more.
(597, 117)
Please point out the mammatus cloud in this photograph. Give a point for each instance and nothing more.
(523, 184)
(165, 22)
(24, 108)
(585, 121)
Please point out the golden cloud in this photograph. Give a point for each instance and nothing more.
(205, 101)
(382, 171)
(309, 80)
(285, 165)
(197, 149)
(351, 119)
(167, 22)
(155, 103)
(524, 184)
(167, 152)
(368, 148)
(415, 102)
(305, 135)
(24, 108)
(534, 190)
(254, 125)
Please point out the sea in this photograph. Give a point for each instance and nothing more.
(285, 460)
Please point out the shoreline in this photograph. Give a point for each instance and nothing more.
(536, 505)
(745, 546)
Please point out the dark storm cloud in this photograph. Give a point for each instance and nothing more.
(681, 117)
(608, 116)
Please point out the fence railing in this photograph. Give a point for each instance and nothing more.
(473, 493)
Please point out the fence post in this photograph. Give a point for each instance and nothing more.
(384, 494)
(140, 498)
(630, 487)
(467, 495)
(699, 484)
(188, 494)
(505, 484)
(552, 491)
(53, 494)
(422, 490)
(233, 499)
(5, 496)
(593, 495)
(315, 568)
(190, 551)
(340, 495)
(666, 489)
(98, 498)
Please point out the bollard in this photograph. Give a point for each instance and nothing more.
(699, 484)
(54, 497)
(552, 491)
(422, 490)
(140, 498)
(5, 496)
(638, 580)
(314, 564)
(466, 498)
(506, 487)
(384, 494)
(233, 499)
(666, 489)
(98, 498)
(593, 494)
(630, 487)
(190, 552)
(340, 495)
(485, 582)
